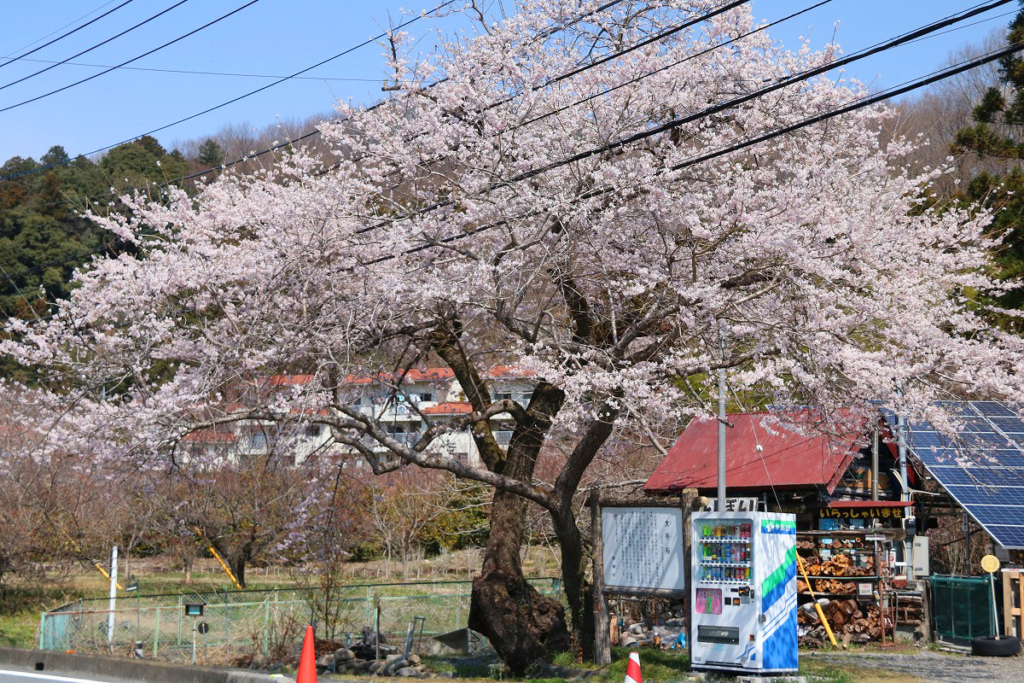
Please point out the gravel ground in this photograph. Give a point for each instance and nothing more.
(933, 666)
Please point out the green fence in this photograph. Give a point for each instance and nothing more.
(962, 607)
(258, 620)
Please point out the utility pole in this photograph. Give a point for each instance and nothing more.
(901, 449)
(721, 427)
(113, 594)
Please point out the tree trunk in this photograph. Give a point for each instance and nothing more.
(521, 624)
(238, 563)
(578, 590)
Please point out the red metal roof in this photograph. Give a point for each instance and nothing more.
(209, 436)
(413, 375)
(454, 408)
(788, 461)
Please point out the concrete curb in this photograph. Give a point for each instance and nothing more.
(139, 670)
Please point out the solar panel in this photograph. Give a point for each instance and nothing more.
(994, 515)
(1009, 425)
(952, 475)
(980, 467)
(961, 408)
(1010, 536)
(989, 496)
(992, 409)
(929, 439)
(982, 440)
(1001, 458)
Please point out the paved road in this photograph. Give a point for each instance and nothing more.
(14, 676)
(934, 667)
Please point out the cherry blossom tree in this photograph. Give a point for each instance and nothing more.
(808, 267)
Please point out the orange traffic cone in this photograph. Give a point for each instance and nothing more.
(633, 669)
(307, 663)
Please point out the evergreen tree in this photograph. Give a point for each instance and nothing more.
(210, 154)
(998, 132)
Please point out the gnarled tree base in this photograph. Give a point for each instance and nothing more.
(521, 624)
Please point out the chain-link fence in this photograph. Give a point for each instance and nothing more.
(258, 621)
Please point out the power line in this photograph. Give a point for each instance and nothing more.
(231, 101)
(134, 59)
(908, 37)
(637, 79)
(910, 86)
(545, 34)
(729, 104)
(90, 49)
(62, 37)
(190, 72)
(286, 143)
(636, 46)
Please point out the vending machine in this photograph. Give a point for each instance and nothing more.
(743, 592)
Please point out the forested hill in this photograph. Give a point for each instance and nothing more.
(44, 236)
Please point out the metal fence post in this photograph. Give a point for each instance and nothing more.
(266, 627)
(42, 629)
(369, 613)
(227, 618)
(177, 643)
(156, 635)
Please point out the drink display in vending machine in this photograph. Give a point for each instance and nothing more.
(743, 592)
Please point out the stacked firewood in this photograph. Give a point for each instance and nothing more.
(845, 617)
(855, 542)
(910, 610)
(839, 565)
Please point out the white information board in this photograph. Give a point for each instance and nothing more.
(643, 548)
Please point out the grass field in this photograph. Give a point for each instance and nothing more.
(23, 599)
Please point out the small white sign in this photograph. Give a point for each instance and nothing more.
(643, 548)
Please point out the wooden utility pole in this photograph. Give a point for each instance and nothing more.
(602, 629)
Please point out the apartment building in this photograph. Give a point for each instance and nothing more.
(403, 405)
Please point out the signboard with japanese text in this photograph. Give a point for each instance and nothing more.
(643, 548)
(893, 512)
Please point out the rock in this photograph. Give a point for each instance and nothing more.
(392, 658)
(406, 672)
(343, 655)
(395, 665)
(414, 659)
(446, 674)
(327, 661)
(628, 641)
(636, 629)
(376, 666)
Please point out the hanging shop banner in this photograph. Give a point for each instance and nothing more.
(887, 512)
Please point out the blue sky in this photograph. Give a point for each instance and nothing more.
(280, 37)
